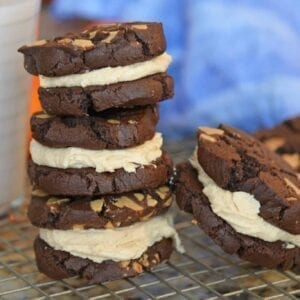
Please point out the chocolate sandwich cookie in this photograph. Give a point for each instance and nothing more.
(109, 211)
(190, 198)
(237, 161)
(107, 130)
(284, 139)
(105, 45)
(81, 101)
(59, 264)
(87, 182)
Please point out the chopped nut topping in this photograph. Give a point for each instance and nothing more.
(291, 199)
(43, 116)
(39, 193)
(140, 26)
(37, 43)
(292, 159)
(206, 137)
(160, 194)
(157, 257)
(168, 202)
(83, 43)
(137, 267)
(292, 185)
(144, 260)
(211, 131)
(92, 34)
(54, 200)
(274, 143)
(127, 202)
(109, 225)
(164, 189)
(110, 37)
(151, 202)
(64, 41)
(147, 217)
(139, 196)
(124, 263)
(97, 205)
(111, 121)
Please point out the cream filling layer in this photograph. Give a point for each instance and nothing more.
(110, 75)
(102, 160)
(241, 211)
(118, 244)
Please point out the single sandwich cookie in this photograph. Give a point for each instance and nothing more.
(88, 182)
(106, 254)
(190, 197)
(108, 211)
(237, 162)
(82, 101)
(107, 130)
(105, 45)
(284, 139)
(59, 264)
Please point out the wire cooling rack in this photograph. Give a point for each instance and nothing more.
(203, 272)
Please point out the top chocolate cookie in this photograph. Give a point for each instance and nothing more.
(237, 161)
(285, 140)
(104, 45)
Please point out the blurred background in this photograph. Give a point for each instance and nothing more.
(233, 62)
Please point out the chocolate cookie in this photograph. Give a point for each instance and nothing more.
(239, 162)
(106, 212)
(87, 182)
(105, 45)
(107, 130)
(79, 101)
(285, 140)
(190, 198)
(60, 264)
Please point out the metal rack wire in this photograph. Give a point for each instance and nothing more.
(203, 272)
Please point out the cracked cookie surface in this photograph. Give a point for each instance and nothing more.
(59, 264)
(237, 161)
(104, 45)
(87, 182)
(108, 211)
(109, 130)
(79, 101)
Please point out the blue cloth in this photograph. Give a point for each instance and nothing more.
(234, 62)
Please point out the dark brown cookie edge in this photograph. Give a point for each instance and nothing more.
(114, 130)
(108, 211)
(58, 264)
(87, 182)
(78, 53)
(78, 101)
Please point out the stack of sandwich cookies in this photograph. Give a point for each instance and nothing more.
(245, 197)
(284, 139)
(99, 173)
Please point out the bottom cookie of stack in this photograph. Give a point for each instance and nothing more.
(59, 264)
